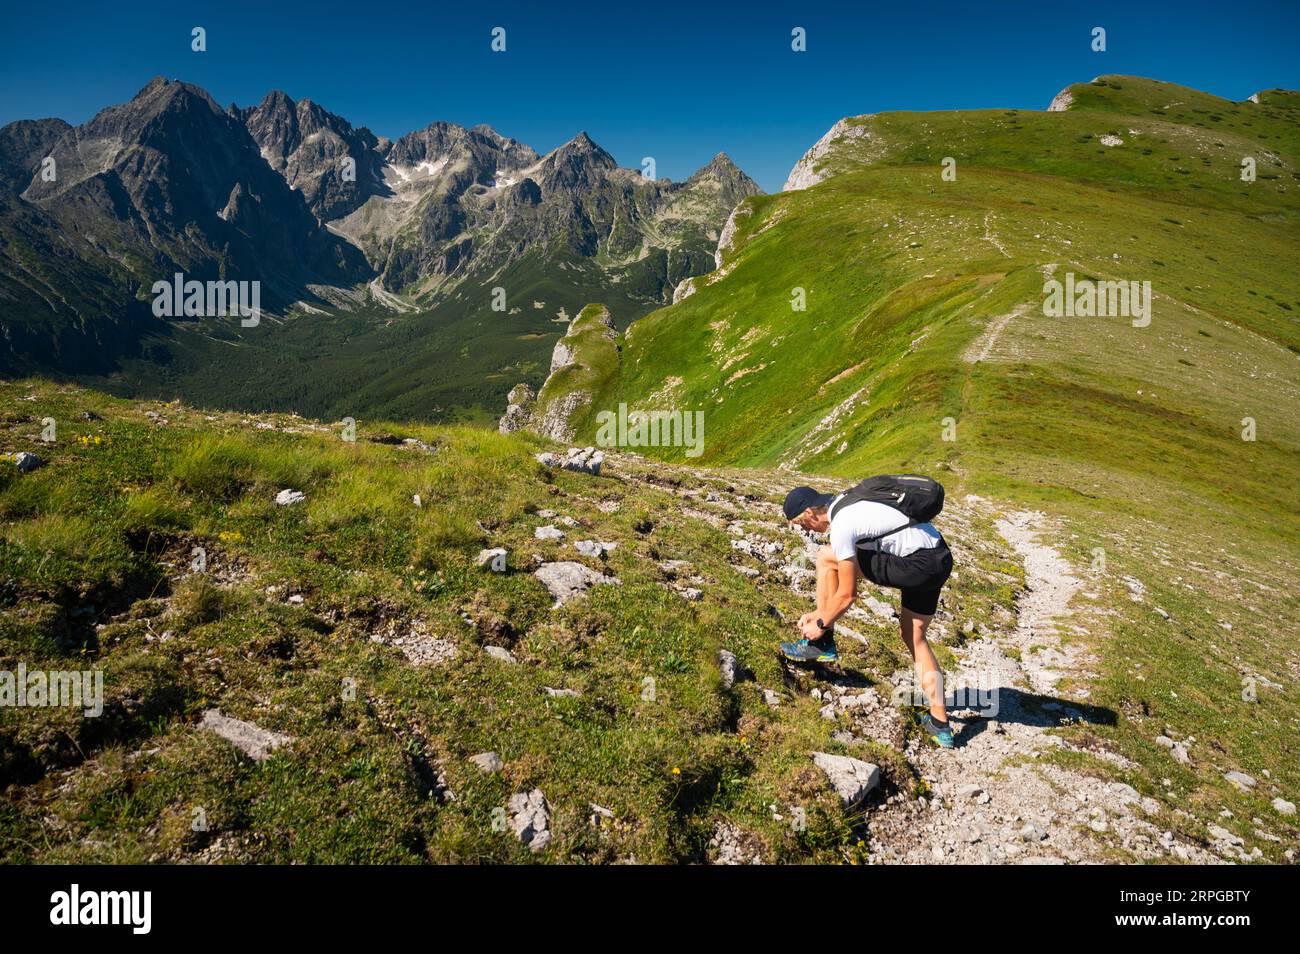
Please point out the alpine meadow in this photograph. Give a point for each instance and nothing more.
(419, 498)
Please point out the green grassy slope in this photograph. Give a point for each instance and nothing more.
(295, 602)
(924, 322)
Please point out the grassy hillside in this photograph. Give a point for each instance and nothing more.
(358, 585)
(924, 346)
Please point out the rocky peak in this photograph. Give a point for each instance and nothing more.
(308, 146)
(732, 184)
(23, 144)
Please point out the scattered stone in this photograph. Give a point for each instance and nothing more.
(773, 699)
(286, 497)
(422, 649)
(255, 742)
(565, 580)
(1224, 836)
(1032, 834)
(690, 593)
(971, 790)
(27, 462)
(596, 549)
(881, 609)
(548, 533)
(851, 778)
(561, 693)
(495, 559)
(530, 819)
(417, 501)
(90, 416)
(732, 845)
(729, 665)
(1179, 752)
(1283, 806)
(584, 460)
(501, 653)
(748, 571)
(1240, 780)
(488, 762)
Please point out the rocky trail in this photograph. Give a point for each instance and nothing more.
(995, 798)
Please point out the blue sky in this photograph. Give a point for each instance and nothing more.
(676, 81)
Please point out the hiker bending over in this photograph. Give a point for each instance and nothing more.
(880, 530)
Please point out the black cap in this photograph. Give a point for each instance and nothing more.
(801, 498)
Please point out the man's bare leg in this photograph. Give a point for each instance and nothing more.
(929, 675)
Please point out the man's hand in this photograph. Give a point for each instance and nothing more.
(805, 618)
(808, 627)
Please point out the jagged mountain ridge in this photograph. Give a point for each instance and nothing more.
(445, 202)
(169, 182)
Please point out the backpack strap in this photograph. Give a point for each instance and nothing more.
(870, 544)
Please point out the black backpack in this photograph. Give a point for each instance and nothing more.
(918, 498)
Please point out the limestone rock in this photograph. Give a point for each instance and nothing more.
(488, 762)
(519, 409)
(851, 778)
(255, 742)
(530, 819)
(566, 579)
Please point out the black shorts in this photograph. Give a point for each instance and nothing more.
(920, 575)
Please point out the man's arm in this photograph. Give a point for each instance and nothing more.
(839, 600)
(842, 598)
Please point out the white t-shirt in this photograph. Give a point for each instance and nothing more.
(866, 518)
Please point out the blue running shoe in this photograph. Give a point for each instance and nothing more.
(807, 651)
(941, 732)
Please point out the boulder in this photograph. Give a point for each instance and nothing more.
(729, 667)
(851, 778)
(583, 460)
(596, 549)
(494, 559)
(566, 579)
(488, 762)
(1240, 780)
(530, 819)
(287, 497)
(255, 742)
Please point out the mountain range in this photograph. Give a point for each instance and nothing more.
(397, 247)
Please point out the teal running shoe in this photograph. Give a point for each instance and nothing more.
(941, 732)
(805, 650)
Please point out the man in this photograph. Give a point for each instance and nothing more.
(877, 542)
